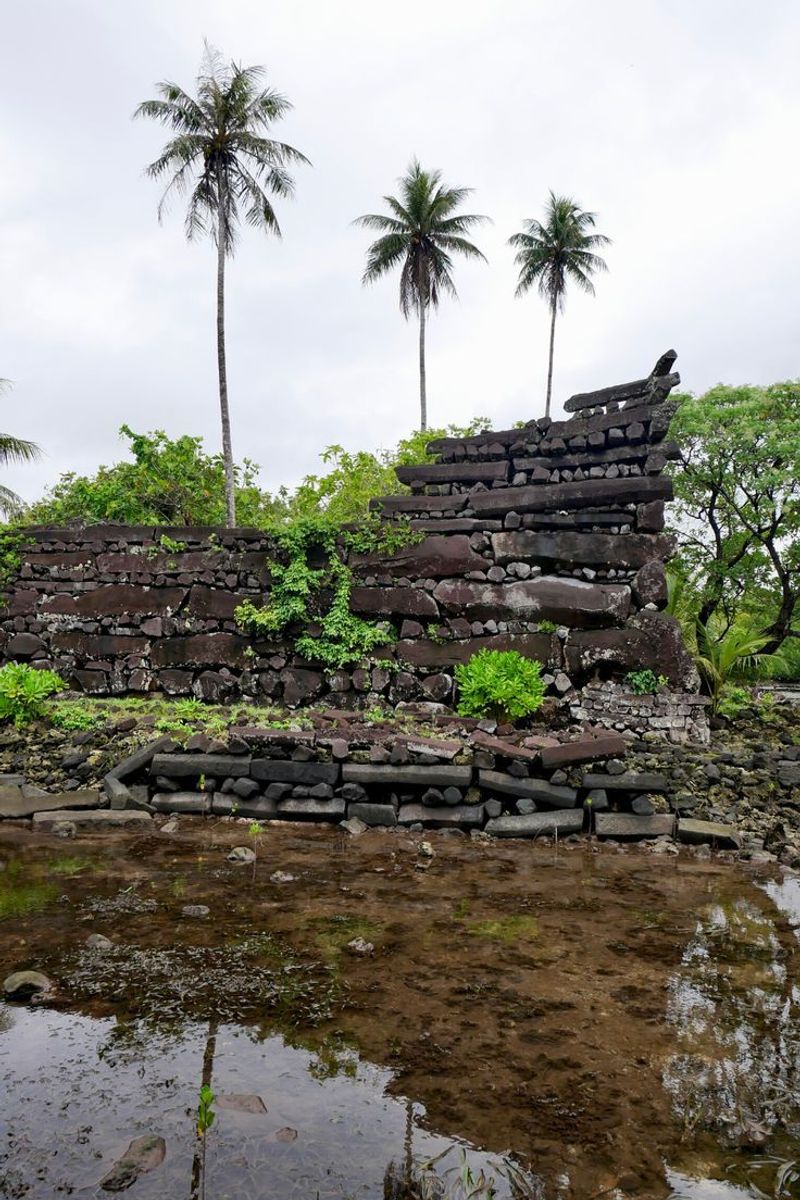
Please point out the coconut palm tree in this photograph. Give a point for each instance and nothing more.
(220, 153)
(421, 234)
(13, 449)
(555, 252)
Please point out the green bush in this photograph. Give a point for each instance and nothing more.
(499, 684)
(23, 691)
(72, 715)
(643, 682)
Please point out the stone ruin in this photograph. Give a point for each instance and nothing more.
(546, 538)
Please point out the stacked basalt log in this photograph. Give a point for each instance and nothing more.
(554, 523)
(547, 538)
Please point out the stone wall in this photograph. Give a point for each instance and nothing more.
(547, 538)
(677, 716)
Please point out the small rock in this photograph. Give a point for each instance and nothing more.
(360, 947)
(143, 1154)
(281, 877)
(97, 941)
(22, 985)
(354, 826)
(64, 829)
(195, 910)
(285, 1135)
(170, 826)
(241, 1102)
(242, 854)
(425, 850)
(642, 806)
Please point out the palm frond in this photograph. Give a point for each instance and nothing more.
(420, 232)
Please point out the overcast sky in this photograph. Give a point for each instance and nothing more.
(677, 122)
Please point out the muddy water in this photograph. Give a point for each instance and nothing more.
(567, 1024)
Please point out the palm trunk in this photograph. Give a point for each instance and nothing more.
(550, 364)
(423, 398)
(227, 447)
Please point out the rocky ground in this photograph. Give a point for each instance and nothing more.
(748, 776)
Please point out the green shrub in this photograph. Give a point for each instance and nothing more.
(499, 684)
(643, 682)
(71, 715)
(23, 691)
(733, 700)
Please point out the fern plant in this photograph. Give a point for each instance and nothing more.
(24, 690)
(501, 684)
(725, 655)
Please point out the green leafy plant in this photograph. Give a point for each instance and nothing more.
(547, 626)
(726, 655)
(499, 684)
(205, 1112)
(171, 545)
(340, 637)
(733, 700)
(72, 715)
(23, 691)
(643, 682)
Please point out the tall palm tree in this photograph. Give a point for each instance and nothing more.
(555, 252)
(220, 153)
(13, 449)
(421, 235)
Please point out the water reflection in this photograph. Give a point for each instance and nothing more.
(735, 1078)
(84, 1088)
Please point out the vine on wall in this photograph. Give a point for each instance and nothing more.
(330, 633)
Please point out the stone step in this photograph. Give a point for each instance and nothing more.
(14, 804)
(540, 824)
(629, 826)
(88, 819)
(709, 833)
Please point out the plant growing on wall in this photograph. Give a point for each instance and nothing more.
(339, 638)
(501, 684)
(641, 683)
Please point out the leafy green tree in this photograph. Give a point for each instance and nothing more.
(729, 652)
(353, 478)
(13, 449)
(169, 482)
(555, 252)
(220, 153)
(421, 235)
(737, 516)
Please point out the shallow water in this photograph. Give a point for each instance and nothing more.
(594, 1024)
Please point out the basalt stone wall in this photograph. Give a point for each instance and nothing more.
(546, 538)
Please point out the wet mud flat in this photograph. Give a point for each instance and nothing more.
(573, 1021)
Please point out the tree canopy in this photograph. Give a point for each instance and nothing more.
(737, 516)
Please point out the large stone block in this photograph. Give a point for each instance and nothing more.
(90, 819)
(434, 557)
(201, 650)
(192, 766)
(309, 809)
(92, 645)
(457, 472)
(114, 599)
(285, 770)
(583, 750)
(390, 774)
(710, 833)
(629, 826)
(425, 653)
(533, 825)
(630, 550)
(566, 601)
(373, 814)
(15, 804)
(628, 781)
(214, 604)
(650, 585)
(551, 794)
(393, 601)
(650, 640)
(453, 816)
(585, 494)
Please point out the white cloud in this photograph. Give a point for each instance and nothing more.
(676, 123)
